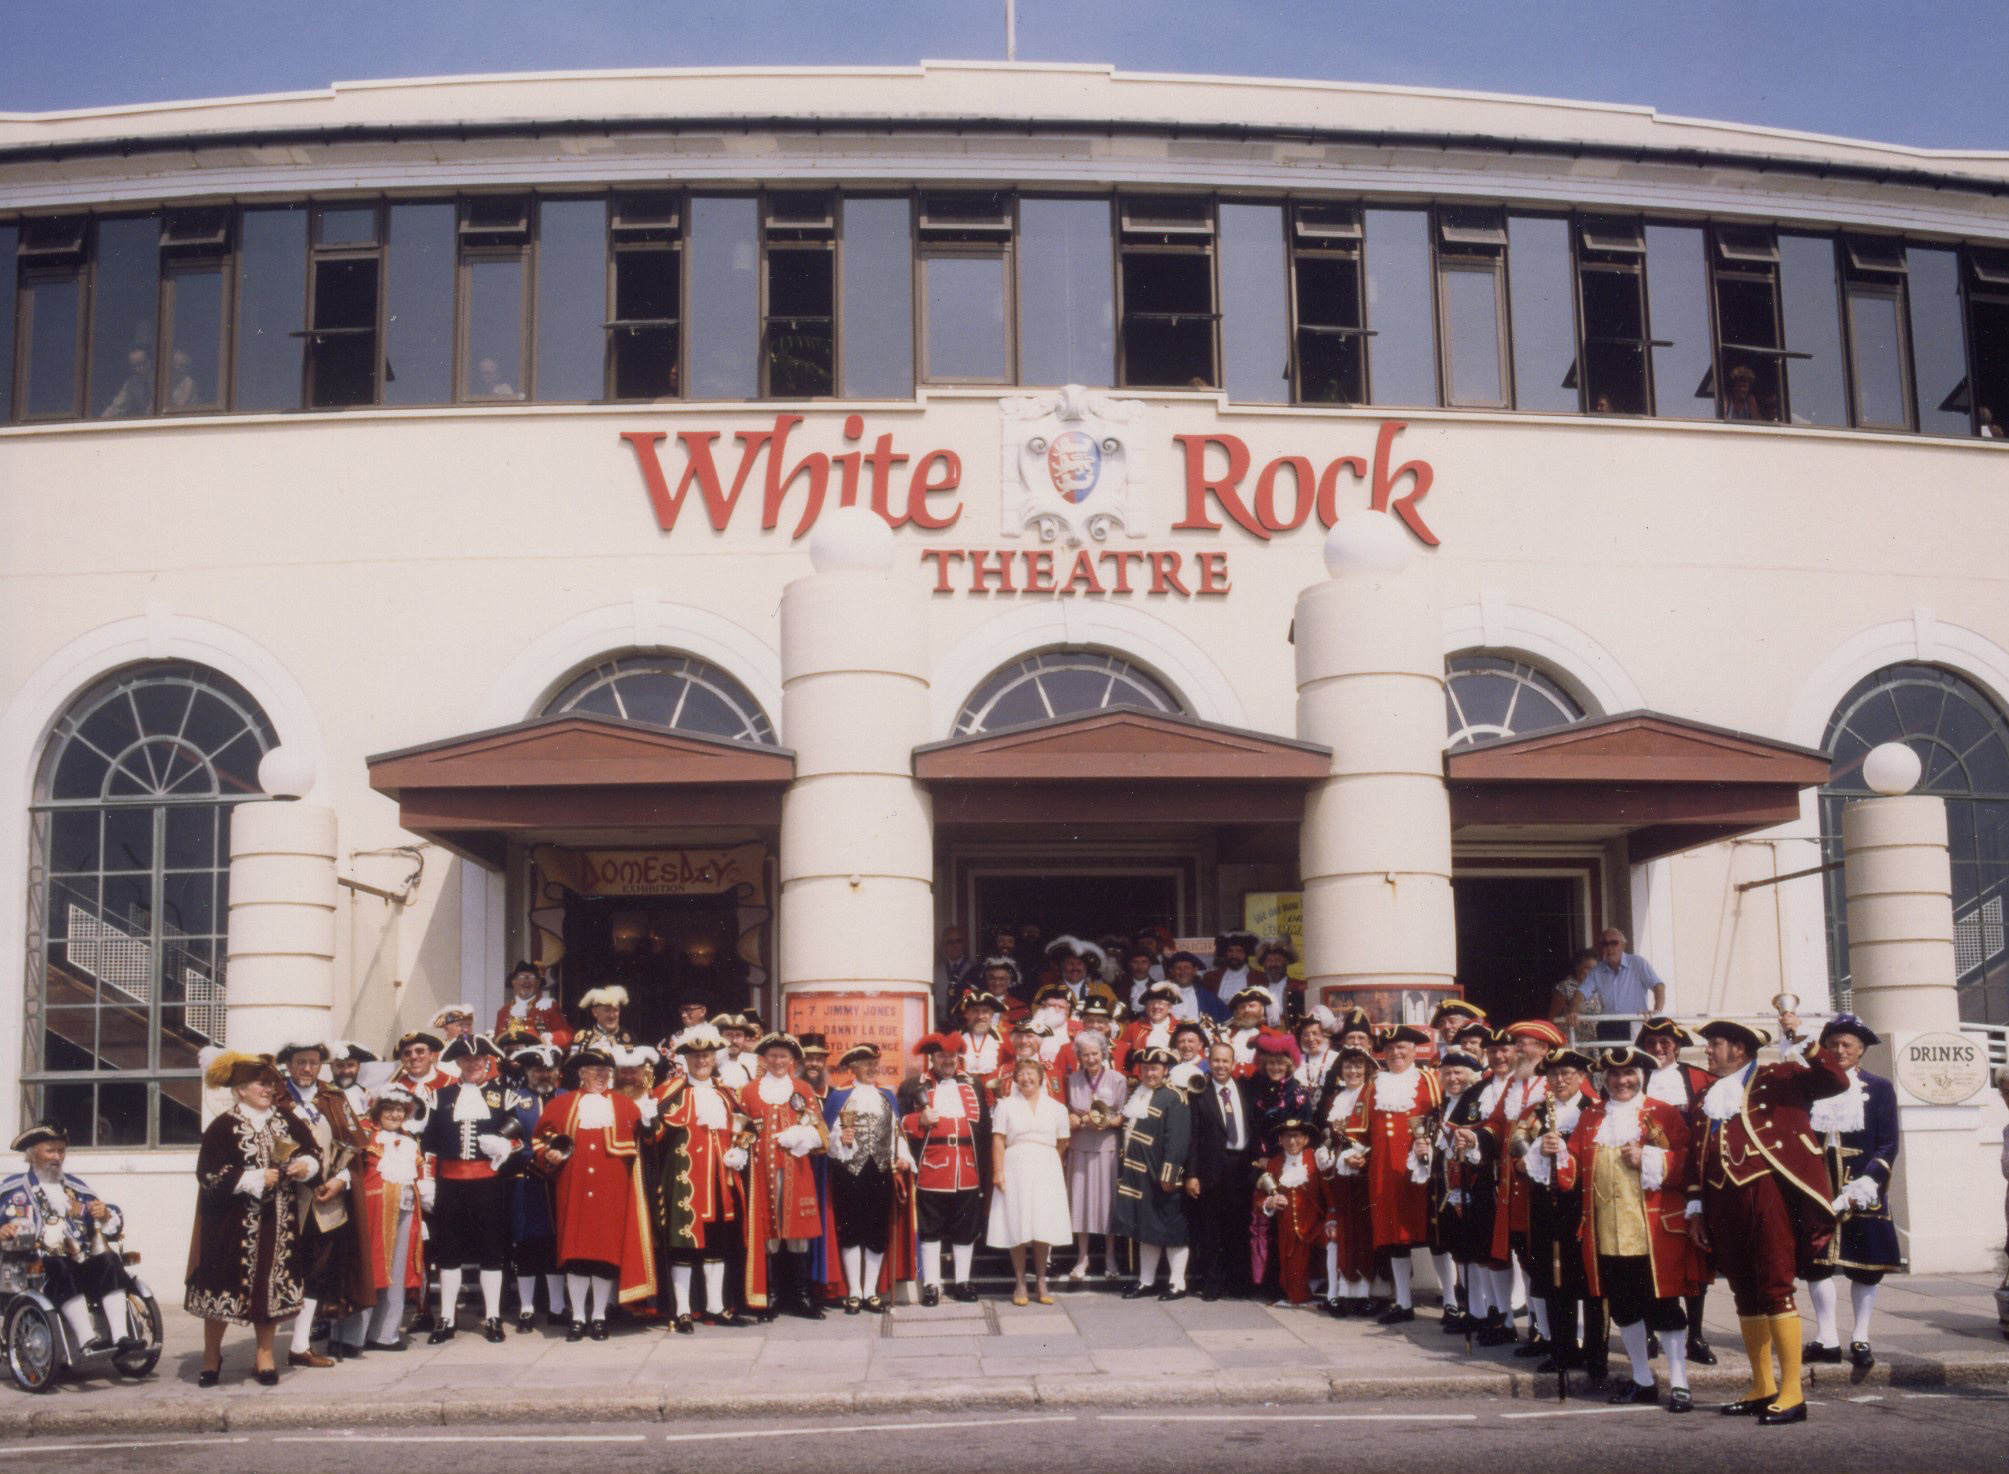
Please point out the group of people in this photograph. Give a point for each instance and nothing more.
(731, 1172)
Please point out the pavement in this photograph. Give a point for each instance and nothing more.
(1091, 1349)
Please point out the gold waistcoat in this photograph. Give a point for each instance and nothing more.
(1621, 1206)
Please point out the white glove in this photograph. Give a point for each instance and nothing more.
(648, 1105)
(428, 1190)
(251, 1182)
(734, 1158)
(1324, 1158)
(495, 1148)
(798, 1140)
(1859, 1194)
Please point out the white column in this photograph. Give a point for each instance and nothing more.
(1375, 850)
(280, 982)
(1901, 962)
(857, 834)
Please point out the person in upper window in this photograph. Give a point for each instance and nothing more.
(1742, 401)
(135, 391)
(1569, 1002)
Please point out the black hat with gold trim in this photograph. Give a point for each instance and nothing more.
(1156, 1055)
(1405, 1034)
(1660, 1026)
(1567, 1059)
(779, 1040)
(856, 1054)
(1628, 1057)
(38, 1133)
(1736, 1031)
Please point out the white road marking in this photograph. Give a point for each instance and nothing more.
(1868, 1397)
(1586, 1412)
(865, 1428)
(458, 1438)
(1287, 1417)
(65, 1448)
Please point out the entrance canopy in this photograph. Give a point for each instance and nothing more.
(1663, 783)
(580, 774)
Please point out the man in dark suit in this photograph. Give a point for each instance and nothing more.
(1220, 1176)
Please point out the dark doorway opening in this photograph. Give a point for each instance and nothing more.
(662, 949)
(1088, 906)
(1516, 935)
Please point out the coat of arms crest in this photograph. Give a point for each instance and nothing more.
(1072, 466)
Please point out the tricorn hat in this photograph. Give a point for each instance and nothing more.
(1538, 1028)
(38, 1133)
(1660, 1026)
(700, 1039)
(1566, 1058)
(856, 1054)
(1405, 1034)
(426, 1037)
(612, 995)
(1455, 1008)
(1750, 1036)
(814, 1044)
(779, 1040)
(1249, 995)
(1627, 1057)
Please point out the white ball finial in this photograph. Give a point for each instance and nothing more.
(851, 540)
(284, 773)
(1892, 769)
(1365, 543)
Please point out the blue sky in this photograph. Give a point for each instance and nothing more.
(1928, 72)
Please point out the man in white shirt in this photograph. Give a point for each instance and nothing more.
(1623, 984)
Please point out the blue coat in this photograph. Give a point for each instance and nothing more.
(530, 1216)
(1866, 1237)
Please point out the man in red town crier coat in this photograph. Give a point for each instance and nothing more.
(531, 1007)
(1299, 1202)
(1629, 1156)
(589, 1137)
(947, 1117)
(783, 1212)
(1760, 1199)
(1398, 1097)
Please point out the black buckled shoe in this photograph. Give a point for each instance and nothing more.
(1629, 1393)
(1746, 1407)
(809, 1307)
(732, 1320)
(575, 1332)
(1861, 1356)
(1495, 1333)
(1136, 1291)
(931, 1296)
(876, 1305)
(1168, 1293)
(1815, 1354)
(557, 1318)
(492, 1329)
(597, 1330)
(1395, 1315)
(1680, 1400)
(423, 1321)
(1455, 1321)
(526, 1322)
(1699, 1352)
(685, 1326)
(1533, 1346)
(853, 1305)
(963, 1291)
(442, 1334)
(1773, 1417)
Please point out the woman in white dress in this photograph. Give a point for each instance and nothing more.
(1029, 1196)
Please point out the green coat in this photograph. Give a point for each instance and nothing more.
(1151, 1172)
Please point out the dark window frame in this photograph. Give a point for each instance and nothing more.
(1857, 277)
(1740, 253)
(475, 243)
(35, 266)
(1478, 250)
(967, 241)
(1332, 241)
(786, 237)
(1622, 255)
(648, 237)
(1983, 272)
(317, 253)
(1134, 239)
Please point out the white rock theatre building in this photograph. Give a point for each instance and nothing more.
(497, 448)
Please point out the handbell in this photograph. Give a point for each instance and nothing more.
(1785, 1003)
(1266, 1185)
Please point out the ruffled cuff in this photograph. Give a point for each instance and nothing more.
(251, 1182)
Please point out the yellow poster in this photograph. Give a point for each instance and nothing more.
(1277, 914)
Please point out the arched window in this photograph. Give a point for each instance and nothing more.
(129, 878)
(666, 689)
(1962, 739)
(1488, 696)
(1061, 683)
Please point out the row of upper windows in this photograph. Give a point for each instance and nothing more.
(792, 295)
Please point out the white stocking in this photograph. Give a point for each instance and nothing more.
(449, 1297)
(575, 1293)
(1332, 1279)
(1399, 1268)
(1862, 1299)
(963, 1253)
(1147, 1263)
(715, 1286)
(870, 1279)
(1822, 1293)
(1634, 1337)
(1479, 1291)
(1502, 1296)
(1541, 1313)
(303, 1327)
(526, 1294)
(603, 1295)
(680, 1281)
(1447, 1279)
(491, 1294)
(1358, 1289)
(931, 1262)
(1175, 1259)
(1677, 1363)
(77, 1315)
(554, 1292)
(1519, 1301)
(854, 1270)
